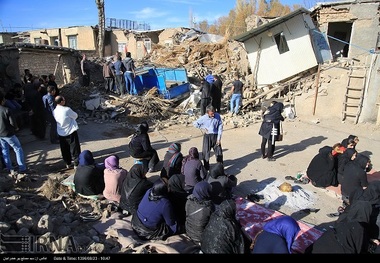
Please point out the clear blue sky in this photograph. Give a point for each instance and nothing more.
(24, 15)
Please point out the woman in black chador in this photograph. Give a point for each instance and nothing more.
(271, 122)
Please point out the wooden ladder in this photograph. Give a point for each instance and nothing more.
(353, 98)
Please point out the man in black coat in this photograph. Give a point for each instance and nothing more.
(216, 93)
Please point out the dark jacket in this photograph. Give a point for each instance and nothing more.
(88, 177)
(350, 234)
(199, 208)
(133, 188)
(172, 164)
(206, 90)
(7, 122)
(221, 183)
(223, 234)
(343, 159)
(322, 170)
(140, 146)
(272, 117)
(178, 196)
(354, 175)
(155, 216)
(193, 169)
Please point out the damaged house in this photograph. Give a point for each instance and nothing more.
(352, 29)
(340, 35)
(282, 48)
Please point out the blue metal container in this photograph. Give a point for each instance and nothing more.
(171, 83)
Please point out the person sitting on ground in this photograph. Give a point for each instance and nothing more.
(222, 184)
(322, 170)
(193, 169)
(349, 235)
(134, 188)
(178, 197)
(350, 142)
(199, 208)
(355, 176)
(89, 176)
(141, 148)
(155, 216)
(348, 155)
(172, 161)
(114, 176)
(276, 237)
(223, 234)
(370, 194)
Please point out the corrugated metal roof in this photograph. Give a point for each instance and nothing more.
(260, 29)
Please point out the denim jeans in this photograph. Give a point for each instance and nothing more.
(14, 142)
(129, 82)
(235, 103)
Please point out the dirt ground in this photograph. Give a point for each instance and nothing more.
(304, 136)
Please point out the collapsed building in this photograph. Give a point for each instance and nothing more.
(278, 58)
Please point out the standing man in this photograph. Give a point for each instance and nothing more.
(8, 129)
(212, 124)
(53, 83)
(129, 73)
(118, 71)
(216, 93)
(205, 95)
(108, 76)
(85, 71)
(49, 104)
(236, 95)
(67, 129)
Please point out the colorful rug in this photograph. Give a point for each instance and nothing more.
(253, 216)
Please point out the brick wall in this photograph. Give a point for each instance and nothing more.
(45, 63)
(39, 64)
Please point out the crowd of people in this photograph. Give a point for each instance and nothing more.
(119, 75)
(192, 195)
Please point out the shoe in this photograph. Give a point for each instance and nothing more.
(271, 159)
(333, 214)
(289, 177)
(264, 156)
(303, 180)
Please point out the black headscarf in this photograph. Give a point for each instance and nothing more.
(223, 234)
(371, 193)
(177, 183)
(217, 170)
(359, 211)
(143, 128)
(362, 160)
(202, 191)
(159, 190)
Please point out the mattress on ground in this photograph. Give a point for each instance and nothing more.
(253, 217)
